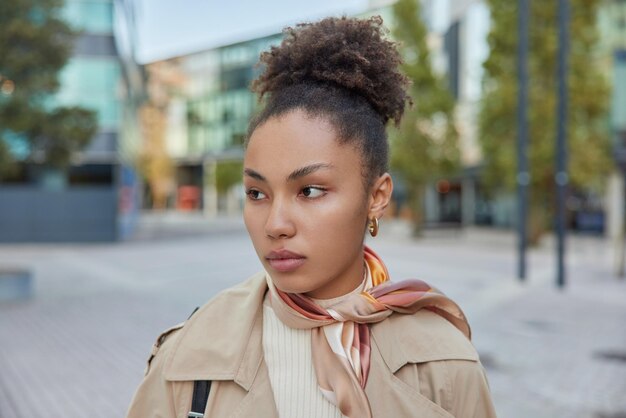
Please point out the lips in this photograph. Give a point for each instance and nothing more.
(285, 260)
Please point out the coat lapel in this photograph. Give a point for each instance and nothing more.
(391, 397)
(259, 401)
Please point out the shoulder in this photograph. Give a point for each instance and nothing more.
(233, 303)
(230, 306)
(162, 344)
(430, 354)
(421, 337)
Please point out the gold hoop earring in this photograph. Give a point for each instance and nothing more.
(373, 227)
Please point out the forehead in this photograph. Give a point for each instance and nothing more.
(294, 140)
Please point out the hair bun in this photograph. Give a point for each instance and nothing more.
(344, 52)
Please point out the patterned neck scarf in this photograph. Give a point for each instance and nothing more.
(340, 333)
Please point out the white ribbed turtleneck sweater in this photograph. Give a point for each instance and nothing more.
(287, 354)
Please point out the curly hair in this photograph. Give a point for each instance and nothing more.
(342, 69)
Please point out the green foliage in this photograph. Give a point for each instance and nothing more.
(227, 174)
(426, 145)
(588, 135)
(7, 165)
(67, 130)
(35, 44)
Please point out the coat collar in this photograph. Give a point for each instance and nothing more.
(224, 339)
(419, 338)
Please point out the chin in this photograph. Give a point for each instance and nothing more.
(291, 284)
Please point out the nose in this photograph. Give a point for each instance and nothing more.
(279, 223)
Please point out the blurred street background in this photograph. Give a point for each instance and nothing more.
(82, 342)
(122, 125)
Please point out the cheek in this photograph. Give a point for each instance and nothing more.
(336, 224)
(253, 219)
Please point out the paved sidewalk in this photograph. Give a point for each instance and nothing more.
(79, 346)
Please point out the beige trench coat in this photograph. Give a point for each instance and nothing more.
(421, 365)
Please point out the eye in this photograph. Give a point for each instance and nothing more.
(313, 192)
(254, 194)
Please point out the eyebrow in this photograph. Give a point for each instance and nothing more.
(295, 174)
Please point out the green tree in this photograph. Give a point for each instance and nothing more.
(35, 44)
(426, 145)
(588, 135)
(164, 81)
(228, 174)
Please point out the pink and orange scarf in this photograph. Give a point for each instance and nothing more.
(341, 335)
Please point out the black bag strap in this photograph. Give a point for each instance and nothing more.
(201, 389)
(194, 311)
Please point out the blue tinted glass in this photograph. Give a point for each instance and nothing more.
(91, 16)
(18, 145)
(92, 83)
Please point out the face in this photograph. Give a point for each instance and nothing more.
(306, 206)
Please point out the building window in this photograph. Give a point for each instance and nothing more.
(92, 83)
(91, 16)
(236, 78)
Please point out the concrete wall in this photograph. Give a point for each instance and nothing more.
(76, 214)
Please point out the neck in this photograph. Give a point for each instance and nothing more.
(346, 283)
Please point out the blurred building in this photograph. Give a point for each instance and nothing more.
(103, 75)
(208, 113)
(209, 104)
(97, 199)
(613, 33)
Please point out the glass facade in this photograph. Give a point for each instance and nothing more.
(93, 77)
(217, 119)
(219, 122)
(102, 75)
(92, 83)
(91, 16)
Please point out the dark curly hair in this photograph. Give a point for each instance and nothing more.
(342, 69)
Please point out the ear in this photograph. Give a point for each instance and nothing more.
(379, 196)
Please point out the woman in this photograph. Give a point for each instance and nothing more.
(321, 331)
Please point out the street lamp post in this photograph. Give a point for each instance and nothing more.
(561, 177)
(523, 176)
